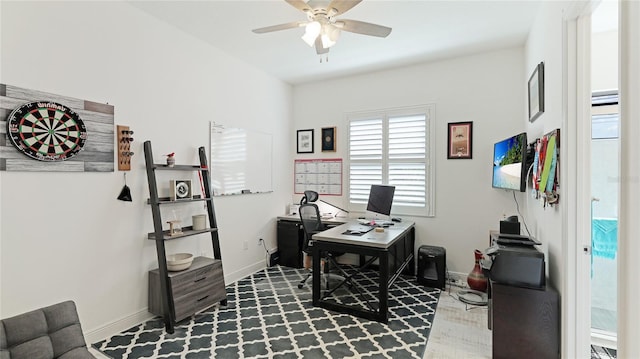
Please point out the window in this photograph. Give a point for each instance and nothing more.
(605, 119)
(393, 147)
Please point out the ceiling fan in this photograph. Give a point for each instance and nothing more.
(322, 28)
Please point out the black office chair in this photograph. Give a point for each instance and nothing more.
(309, 196)
(312, 224)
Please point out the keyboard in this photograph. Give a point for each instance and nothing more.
(374, 223)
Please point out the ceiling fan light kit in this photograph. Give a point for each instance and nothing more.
(322, 29)
(329, 35)
(311, 32)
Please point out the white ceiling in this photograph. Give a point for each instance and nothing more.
(422, 30)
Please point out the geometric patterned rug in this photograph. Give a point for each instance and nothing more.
(267, 316)
(598, 352)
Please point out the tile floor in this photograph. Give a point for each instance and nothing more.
(459, 330)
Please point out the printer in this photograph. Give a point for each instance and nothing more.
(517, 265)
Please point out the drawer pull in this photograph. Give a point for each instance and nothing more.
(200, 279)
(203, 298)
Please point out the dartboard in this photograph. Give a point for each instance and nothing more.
(46, 131)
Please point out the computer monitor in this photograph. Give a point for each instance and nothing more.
(380, 200)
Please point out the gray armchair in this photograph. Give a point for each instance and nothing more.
(45, 333)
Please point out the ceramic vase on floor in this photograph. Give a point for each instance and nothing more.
(476, 279)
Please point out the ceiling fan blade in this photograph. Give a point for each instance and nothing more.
(299, 4)
(319, 48)
(289, 25)
(364, 28)
(342, 6)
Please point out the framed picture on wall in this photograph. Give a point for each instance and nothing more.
(459, 140)
(305, 141)
(329, 139)
(536, 92)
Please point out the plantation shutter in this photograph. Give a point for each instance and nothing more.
(392, 147)
(407, 165)
(365, 157)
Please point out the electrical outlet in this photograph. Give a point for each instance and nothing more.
(245, 245)
(260, 242)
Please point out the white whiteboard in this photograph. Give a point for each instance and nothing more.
(240, 161)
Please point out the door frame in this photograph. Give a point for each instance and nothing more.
(577, 109)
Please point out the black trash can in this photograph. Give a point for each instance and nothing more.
(432, 263)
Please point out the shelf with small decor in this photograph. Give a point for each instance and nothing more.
(176, 295)
(196, 198)
(185, 232)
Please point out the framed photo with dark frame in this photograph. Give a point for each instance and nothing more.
(328, 139)
(305, 141)
(459, 140)
(536, 92)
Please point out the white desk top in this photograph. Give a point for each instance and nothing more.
(328, 220)
(372, 238)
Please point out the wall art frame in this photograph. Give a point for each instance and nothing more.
(536, 92)
(328, 139)
(460, 140)
(304, 141)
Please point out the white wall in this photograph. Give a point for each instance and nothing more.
(629, 230)
(485, 88)
(604, 60)
(64, 235)
(544, 44)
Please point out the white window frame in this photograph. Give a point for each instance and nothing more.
(429, 112)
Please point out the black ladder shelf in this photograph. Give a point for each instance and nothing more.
(160, 236)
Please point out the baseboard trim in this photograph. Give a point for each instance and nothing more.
(604, 339)
(457, 279)
(117, 326)
(244, 272)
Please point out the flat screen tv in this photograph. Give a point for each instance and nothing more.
(381, 199)
(510, 163)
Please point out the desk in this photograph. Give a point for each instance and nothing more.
(393, 248)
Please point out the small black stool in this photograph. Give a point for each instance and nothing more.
(432, 263)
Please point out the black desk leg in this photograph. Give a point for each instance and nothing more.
(383, 310)
(315, 270)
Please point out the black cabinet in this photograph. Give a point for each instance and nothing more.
(290, 241)
(525, 322)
